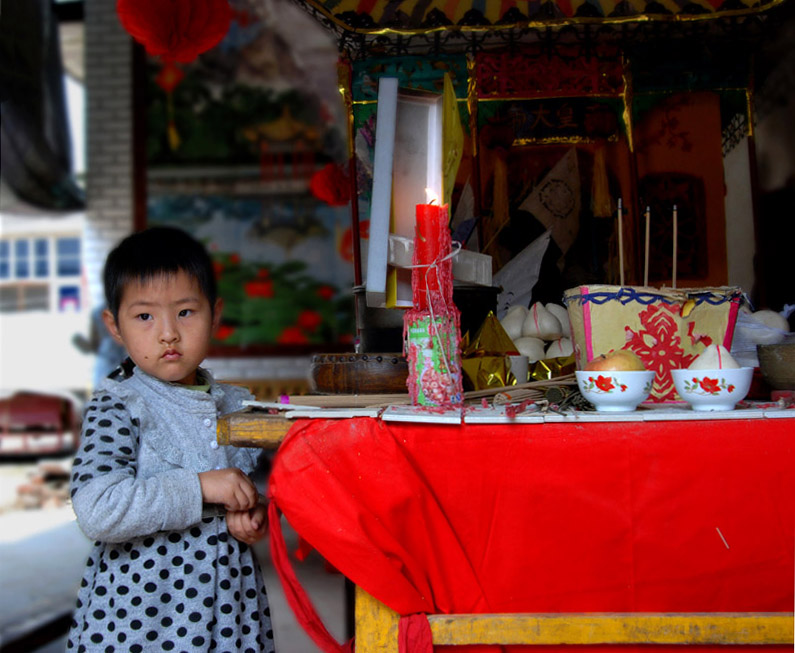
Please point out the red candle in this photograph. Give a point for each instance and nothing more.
(428, 245)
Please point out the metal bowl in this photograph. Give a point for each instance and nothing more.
(777, 364)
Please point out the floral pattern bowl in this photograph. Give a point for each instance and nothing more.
(615, 390)
(713, 389)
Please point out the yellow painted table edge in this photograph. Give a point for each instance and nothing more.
(377, 628)
(246, 428)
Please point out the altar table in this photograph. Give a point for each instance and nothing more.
(573, 516)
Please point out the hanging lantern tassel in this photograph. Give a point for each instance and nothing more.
(168, 79)
(175, 31)
(173, 135)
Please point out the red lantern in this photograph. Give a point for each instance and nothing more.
(175, 30)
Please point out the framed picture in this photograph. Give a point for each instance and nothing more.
(281, 264)
(233, 142)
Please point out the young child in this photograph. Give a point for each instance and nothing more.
(172, 513)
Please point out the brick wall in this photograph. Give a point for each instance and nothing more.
(109, 153)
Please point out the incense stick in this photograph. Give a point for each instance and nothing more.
(620, 242)
(568, 379)
(646, 249)
(676, 238)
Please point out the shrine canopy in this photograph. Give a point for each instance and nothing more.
(400, 27)
(410, 15)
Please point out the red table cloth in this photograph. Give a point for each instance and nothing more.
(681, 516)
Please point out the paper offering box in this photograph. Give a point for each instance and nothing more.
(667, 328)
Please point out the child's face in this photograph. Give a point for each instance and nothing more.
(165, 324)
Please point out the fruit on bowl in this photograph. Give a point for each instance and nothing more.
(711, 390)
(615, 390)
(614, 360)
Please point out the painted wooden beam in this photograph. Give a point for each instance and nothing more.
(614, 628)
(377, 628)
(250, 429)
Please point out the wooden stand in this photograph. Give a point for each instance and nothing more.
(377, 628)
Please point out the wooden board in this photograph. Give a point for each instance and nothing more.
(377, 628)
(247, 428)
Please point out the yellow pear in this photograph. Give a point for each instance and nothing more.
(616, 360)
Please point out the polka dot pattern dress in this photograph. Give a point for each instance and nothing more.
(164, 573)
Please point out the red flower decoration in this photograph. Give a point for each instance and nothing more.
(175, 30)
(604, 383)
(331, 185)
(710, 385)
(345, 247)
(292, 336)
(325, 292)
(218, 268)
(259, 288)
(224, 332)
(310, 320)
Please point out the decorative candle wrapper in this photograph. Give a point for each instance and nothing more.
(434, 360)
(549, 368)
(666, 327)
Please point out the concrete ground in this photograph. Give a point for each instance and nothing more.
(42, 553)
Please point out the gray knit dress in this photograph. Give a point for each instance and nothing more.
(164, 574)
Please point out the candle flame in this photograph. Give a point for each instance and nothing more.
(431, 196)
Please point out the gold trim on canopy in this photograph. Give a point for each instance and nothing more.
(396, 17)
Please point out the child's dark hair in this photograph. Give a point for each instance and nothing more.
(154, 252)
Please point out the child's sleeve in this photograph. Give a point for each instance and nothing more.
(111, 502)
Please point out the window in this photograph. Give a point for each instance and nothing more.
(68, 251)
(40, 273)
(69, 298)
(5, 259)
(27, 297)
(22, 259)
(41, 251)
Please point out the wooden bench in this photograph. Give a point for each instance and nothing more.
(377, 628)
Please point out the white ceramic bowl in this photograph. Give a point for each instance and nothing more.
(713, 389)
(615, 390)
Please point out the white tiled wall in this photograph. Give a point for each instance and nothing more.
(109, 152)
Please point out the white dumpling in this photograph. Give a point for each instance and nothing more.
(562, 314)
(714, 357)
(531, 347)
(561, 347)
(540, 323)
(763, 327)
(513, 320)
(771, 319)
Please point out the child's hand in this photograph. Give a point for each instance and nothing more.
(229, 487)
(248, 526)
